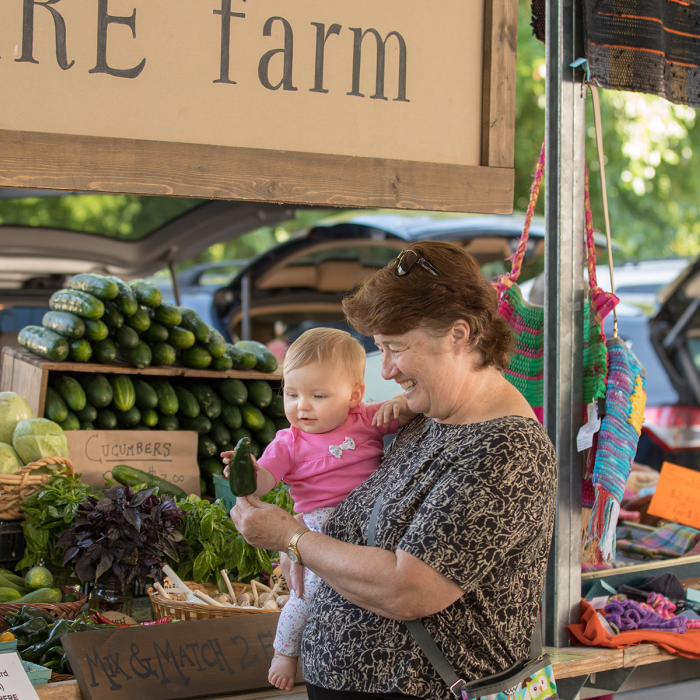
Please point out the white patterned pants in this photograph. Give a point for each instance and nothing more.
(295, 613)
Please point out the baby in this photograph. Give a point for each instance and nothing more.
(334, 443)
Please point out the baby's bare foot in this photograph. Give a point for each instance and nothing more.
(283, 671)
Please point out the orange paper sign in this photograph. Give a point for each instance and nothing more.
(677, 496)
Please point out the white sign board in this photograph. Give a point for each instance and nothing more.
(14, 682)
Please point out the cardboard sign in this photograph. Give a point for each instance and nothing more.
(14, 682)
(175, 661)
(171, 455)
(677, 496)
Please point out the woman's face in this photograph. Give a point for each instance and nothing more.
(428, 369)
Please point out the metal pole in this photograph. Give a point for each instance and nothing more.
(564, 260)
(176, 285)
(245, 308)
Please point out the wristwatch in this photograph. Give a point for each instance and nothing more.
(292, 550)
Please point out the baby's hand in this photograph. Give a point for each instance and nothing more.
(389, 411)
(226, 459)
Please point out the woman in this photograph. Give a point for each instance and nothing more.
(469, 486)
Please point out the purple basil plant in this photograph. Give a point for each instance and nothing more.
(128, 534)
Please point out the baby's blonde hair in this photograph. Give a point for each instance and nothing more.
(324, 345)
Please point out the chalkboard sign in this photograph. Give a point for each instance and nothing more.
(176, 661)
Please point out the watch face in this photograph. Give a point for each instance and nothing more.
(293, 556)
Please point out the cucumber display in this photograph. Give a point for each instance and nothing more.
(201, 424)
(80, 350)
(231, 415)
(219, 433)
(259, 393)
(233, 391)
(189, 406)
(124, 394)
(192, 321)
(86, 425)
(95, 330)
(149, 418)
(89, 413)
(168, 403)
(268, 432)
(55, 408)
(222, 364)
(281, 423)
(265, 359)
(128, 419)
(106, 420)
(126, 299)
(253, 419)
(206, 447)
(128, 476)
(105, 351)
(164, 355)
(146, 397)
(44, 343)
(102, 287)
(276, 407)
(217, 344)
(242, 359)
(179, 338)
(140, 321)
(196, 357)
(64, 323)
(112, 316)
(98, 390)
(156, 333)
(241, 470)
(77, 302)
(168, 423)
(140, 356)
(127, 337)
(167, 314)
(147, 293)
(71, 392)
(208, 401)
(71, 422)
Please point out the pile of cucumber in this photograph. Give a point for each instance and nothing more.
(221, 411)
(103, 319)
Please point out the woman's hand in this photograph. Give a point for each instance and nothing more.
(293, 574)
(263, 525)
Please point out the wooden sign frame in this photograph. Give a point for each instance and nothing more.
(119, 165)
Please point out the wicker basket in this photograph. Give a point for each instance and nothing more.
(61, 611)
(182, 610)
(14, 488)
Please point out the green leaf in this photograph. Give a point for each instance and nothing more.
(207, 526)
(201, 569)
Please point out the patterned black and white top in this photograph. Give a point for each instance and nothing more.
(474, 502)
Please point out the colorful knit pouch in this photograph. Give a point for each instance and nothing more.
(625, 399)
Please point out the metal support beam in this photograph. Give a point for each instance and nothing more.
(246, 326)
(564, 261)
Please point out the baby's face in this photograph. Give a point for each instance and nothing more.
(318, 397)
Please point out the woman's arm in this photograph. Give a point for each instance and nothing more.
(398, 586)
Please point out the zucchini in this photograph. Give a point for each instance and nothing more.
(98, 285)
(106, 420)
(265, 359)
(276, 407)
(146, 397)
(259, 393)
(71, 422)
(112, 316)
(125, 299)
(6, 573)
(127, 337)
(168, 403)
(128, 476)
(281, 423)
(167, 314)
(192, 321)
(9, 583)
(80, 350)
(71, 392)
(164, 355)
(43, 596)
(156, 333)
(44, 343)
(180, 339)
(242, 359)
(95, 330)
(105, 351)
(201, 424)
(253, 419)
(140, 321)
(208, 401)
(222, 364)
(189, 405)
(55, 408)
(149, 418)
(9, 595)
(231, 415)
(233, 391)
(64, 323)
(168, 422)
(77, 302)
(89, 413)
(124, 394)
(216, 345)
(98, 390)
(267, 434)
(219, 433)
(241, 470)
(196, 357)
(206, 447)
(147, 293)
(140, 356)
(127, 419)
(86, 425)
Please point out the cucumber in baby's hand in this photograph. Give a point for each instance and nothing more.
(241, 471)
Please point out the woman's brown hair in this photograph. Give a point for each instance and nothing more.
(389, 304)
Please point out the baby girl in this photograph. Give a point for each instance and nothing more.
(334, 443)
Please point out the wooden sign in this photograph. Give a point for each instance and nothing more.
(677, 495)
(175, 661)
(169, 454)
(393, 103)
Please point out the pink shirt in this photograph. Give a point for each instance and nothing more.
(317, 478)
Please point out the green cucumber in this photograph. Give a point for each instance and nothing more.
(208, 401)
(219, 433)
(265, 359)
(196, 357)
(112, 316)
(125, 299)
(124, 394)
(267, 434)
(71, 422)
(128, 419)
(55, 408)
(140, 356)
(222, 364)
(98, 285)
(156, 333)
(255, 448)
(98, 390)
(127, 337)
(64, 323)
(9, 595)
(259, 393)
(211, 466)
(80, 350)
(147, 293)
(168, 403)
(44, 343)
(180, 339)
(140, 426)
(77, 302)
(192, 321)
(105, 351)
(164, 355)
(238, 435)
(276, 407)
(217, 344)
(71, 392)
(95, 330)
(149, 418)
(86, 425)
(253, 419)
(106, 420)
(146, 396)
(241, 470)
(242, 359)
(206, 447)
(140, 321)
(189, 405)
(168, 422)
(128, 476)
(201, 424)
(43, 596)
(231, 415)
(167, 314)
(233, 391)
(89, 413)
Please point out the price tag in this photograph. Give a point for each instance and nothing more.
(584, 440)
(14, 682)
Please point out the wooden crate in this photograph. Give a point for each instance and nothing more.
(28, 375)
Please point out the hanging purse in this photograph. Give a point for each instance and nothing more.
(526, 679)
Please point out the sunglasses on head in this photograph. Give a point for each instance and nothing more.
(407, 259)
